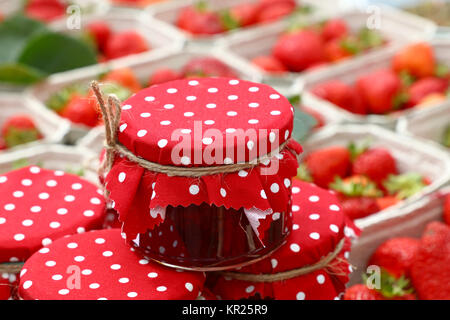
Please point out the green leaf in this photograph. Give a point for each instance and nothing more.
(446, 138)
(355, 189)
(303, 124)
(295, 100)
(406, 78)
(303, 173)
(59, 100)
(370, 38)
(351, 45)
(358, 148)
(15, 32)
(228, 21)
(441, 70)
(404, 185)
(54, 52)
(114, 88)
(19, 74)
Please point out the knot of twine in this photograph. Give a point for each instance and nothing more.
(325, 262)
(111, 112)
(13, 267)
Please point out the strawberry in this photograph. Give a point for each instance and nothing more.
(269, 63)
(45, 10)
(417, 59)
(424, 87)
(387, 201)
(335, 51)
(163, 75)
(355, 186)
(430, 270)
(404, 185)
(325, 164)
(381, 91)
(334, 29)
(274, 10)
(376, 163)
(19, 129)
(299, 50)
(360, 207)
(340, 94)
(447, 209)
(124, 43)
(207, 67)
(124, 77)
(199, 20)
(396, 255)
(361, 292)
(81, 110)
(2, 17)
(101, 32)
(245, 14)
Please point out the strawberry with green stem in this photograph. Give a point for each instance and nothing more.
(375, 163)
(405, 185)
(19, 129)
(199, 20)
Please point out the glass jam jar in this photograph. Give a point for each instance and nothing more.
(200, 171)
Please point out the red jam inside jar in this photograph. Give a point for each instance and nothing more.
(210, 238)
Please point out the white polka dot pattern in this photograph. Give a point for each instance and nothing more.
(51, 204)
(119, 276)
(155, 113)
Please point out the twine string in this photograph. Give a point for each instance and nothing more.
(111, 112)
(285, 275)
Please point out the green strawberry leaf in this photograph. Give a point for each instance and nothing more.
(406, 78)
(404, 185)
(228, 21)
(201, 5)
(54, 52)
(15, 32)
(121, 92)
(441, 70)
(19, 74)
(446, 138)
(351, 45)
(303, 124)
(303, 173)
(295, 100)
(369, 38)
(59, 100)
(355, 189)
(356, 149)
(399, 100)
(15, 137)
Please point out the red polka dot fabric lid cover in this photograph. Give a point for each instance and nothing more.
(318, 226)
(100, 265)
(148, 121)
(38, 206)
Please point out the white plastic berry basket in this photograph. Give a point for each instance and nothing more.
(411, 155)
(396, 26)
(167, 13)
(52, 128)
(142, 68)
(429, 124)
(75, 160)
(8, 7)
(409, 222)
(349, 73)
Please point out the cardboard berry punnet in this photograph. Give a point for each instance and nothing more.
(39, 206)
(235, 140)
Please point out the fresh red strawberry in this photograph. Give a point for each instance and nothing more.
(245, 14)
(163, 75)
(340, 94)
(124, 77)
(121, 44)
(335, 51)
(447, 209)
(361, 292)
(19, 129)
(274, 10)
(199, 20)
(387, 201)
(417, 60)
(101, 32)
(269, 63)
(207, 67)
(430, 270)
(424, 87)
(396, 255)
(325, 164)
(299, 50)
(376, 163)
(45, 10)
(82, 110)
(360, 207)
(381, 91)
(334, 29)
